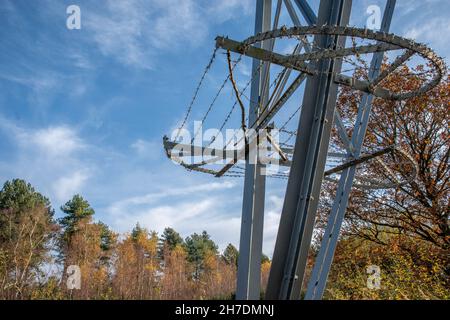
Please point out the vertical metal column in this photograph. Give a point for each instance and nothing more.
(250, 245)
(305, 179)
(317, 282)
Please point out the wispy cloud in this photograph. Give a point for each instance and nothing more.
(424, 21)
(41, 84)
(66, 186)
(193, 208)
(188, 209)
(271, 222)
(58, 141)
(126, 206)
(222, 11)
(146, 149)
(133, 30)
(431, 32)
(52, 157)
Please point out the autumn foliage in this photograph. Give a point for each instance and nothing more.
(404, 230)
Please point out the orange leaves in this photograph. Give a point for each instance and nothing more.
(422, 127)
(410, 269)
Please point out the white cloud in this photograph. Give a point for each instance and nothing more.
(222, 11)
(52, 158)
(178, 21)
(127, 206)
(187, 209)
(65, 187)
(430, 31)
(424, 21)
(41, 84)
(54, 141)
(407, 7)
(271, 223)
(147, 149)
(195, 208)
(186, 217)
(81, 61)
(134, 31)
(159, 217)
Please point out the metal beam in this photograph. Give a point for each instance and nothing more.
(272, 57)
(342, 132)
(261, 54)
(250, 245)
(317, 282)
(292, 13)
(271, 46)
(308, 166)
(307, 12)
(359, 160)
(270, 113)
(342, 52)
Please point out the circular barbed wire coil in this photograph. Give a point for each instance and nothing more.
(385, 42)
(387, 177)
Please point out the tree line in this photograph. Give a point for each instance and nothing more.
(36, 250)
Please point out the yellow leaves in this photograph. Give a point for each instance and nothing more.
(413, 274)
(210, 261)
(151, 267)
(180, 252)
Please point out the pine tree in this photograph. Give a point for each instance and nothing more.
(230, 255)
(76, 210)
(168, 241)
(26, 229)
(198, 247)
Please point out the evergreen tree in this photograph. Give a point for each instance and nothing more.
(264, 258)
(230, 255)
(170, 239)
(18, 199)
(137, 232)
(26, 228)
(76, 210)
(198, 247)
(107, 237)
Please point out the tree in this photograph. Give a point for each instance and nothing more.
(86, 244)
(26, 229)
(197, 247)
(175, 282)
(402, 276)
(411, 220)
(137, 265)
(264, 258)
(230, 255)
(170, 239)
(421, 126)
(107, 237)
(137, 232)
(265, 270)
(76, 210)
(20, 198)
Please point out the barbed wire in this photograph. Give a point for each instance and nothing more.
(276, 80)
(214, 100)
(228, 116)
(387, 42)
(197, 89)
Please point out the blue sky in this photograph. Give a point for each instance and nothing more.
(84, 111)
